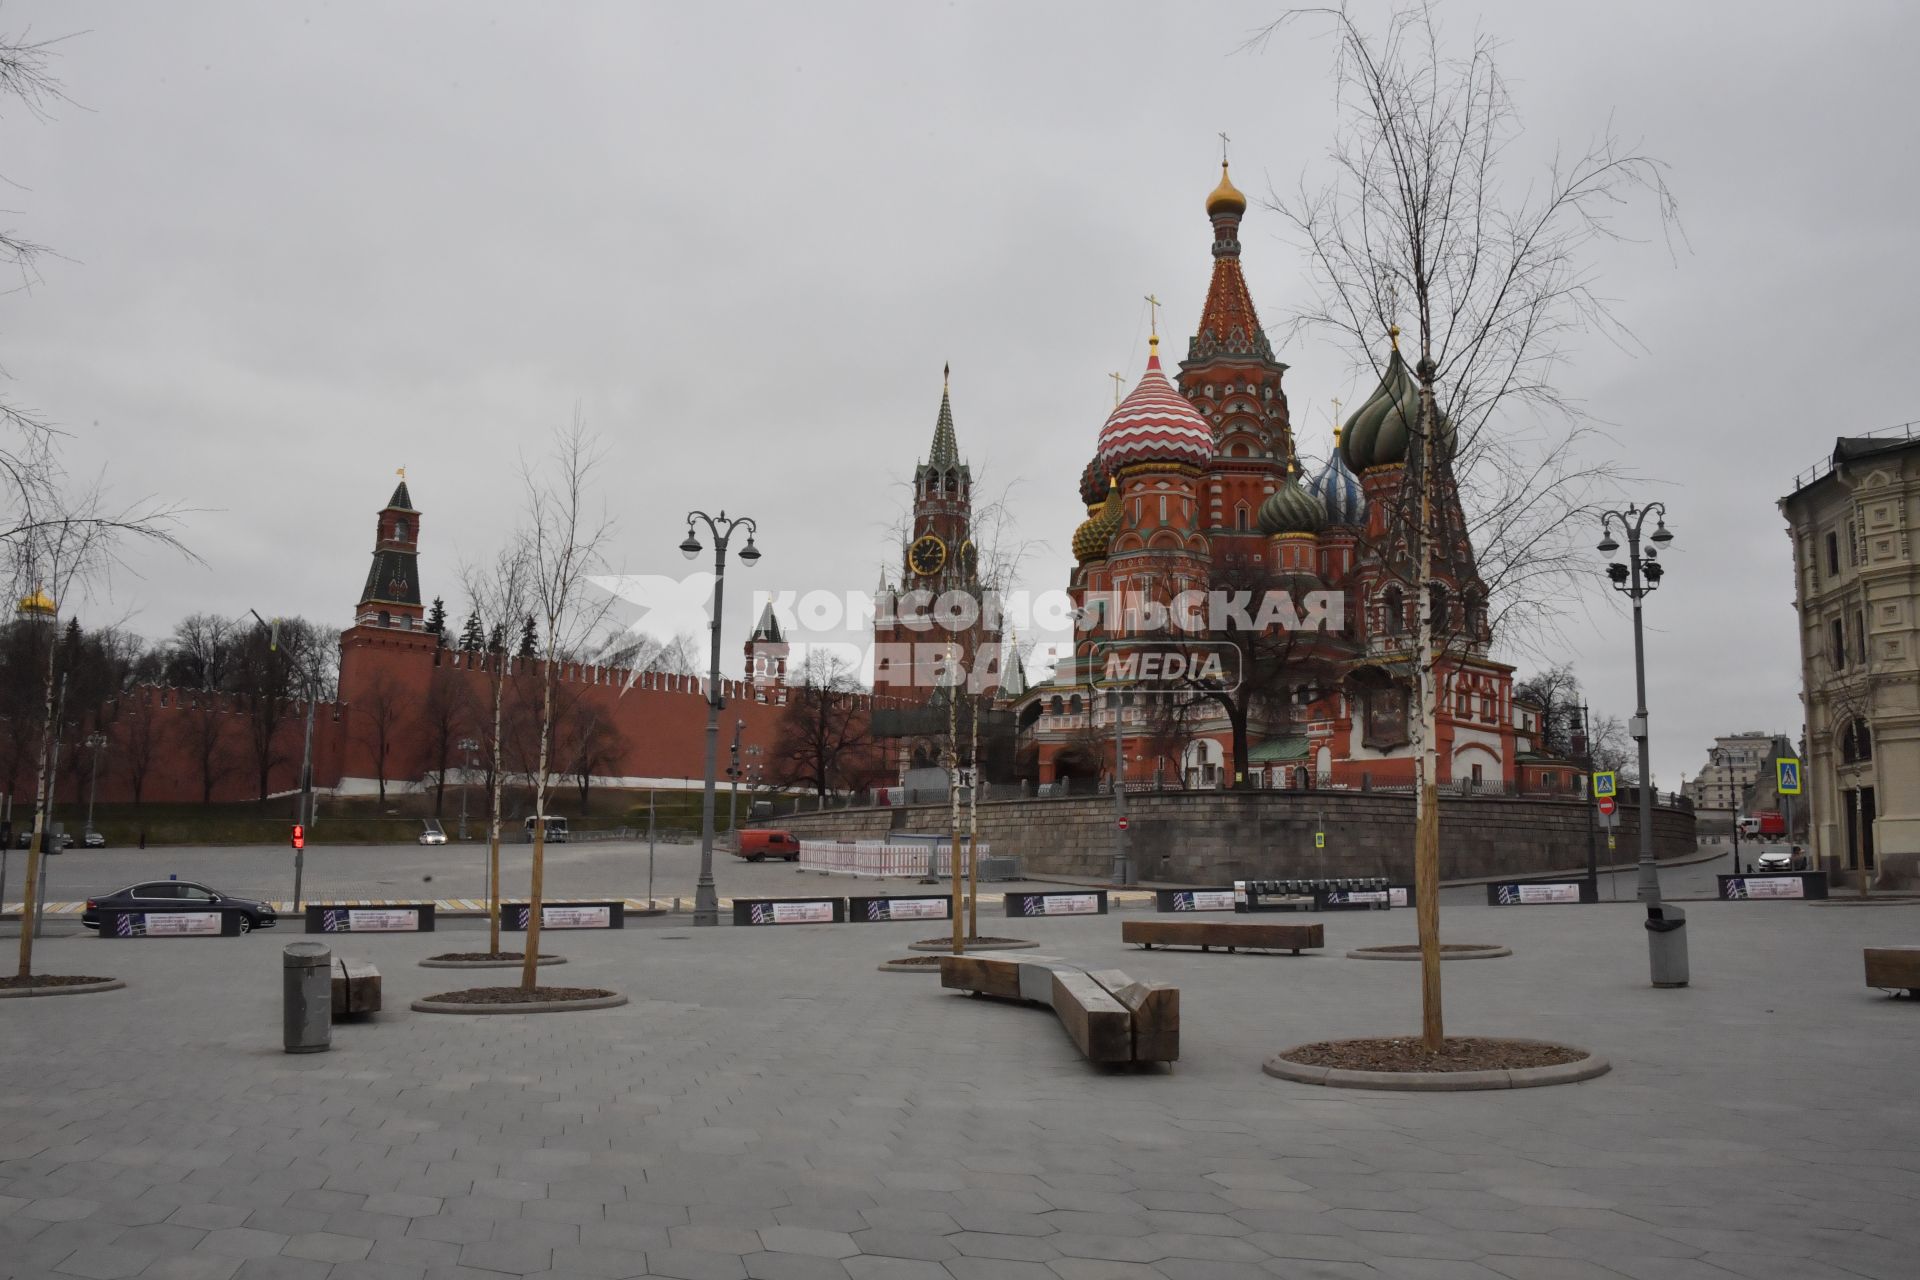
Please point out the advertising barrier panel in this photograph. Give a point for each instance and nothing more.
(565, 915)
(1220, 899)
(396, 917)
(1538, 893)
(872, 910)
(751, 911)
(1088, 902)
(168, 924)
(1776, 884)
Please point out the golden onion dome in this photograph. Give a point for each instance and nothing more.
(1091, 538)
(39, 603)
(1226, 197)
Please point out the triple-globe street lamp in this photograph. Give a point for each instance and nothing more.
(706, 901)
(1636, 579)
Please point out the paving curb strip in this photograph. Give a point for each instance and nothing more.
(943, 947)
(534, 1006)
(1480, 953)
(1440, 1081)
(894, 966)
(490, 964)
(111, 984)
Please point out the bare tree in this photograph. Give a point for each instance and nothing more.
(497, 594)
(206, 741)
(824, 733)
(379, 714)
(565, 543)
(146, 736)
(442, 722)
(1417, 217)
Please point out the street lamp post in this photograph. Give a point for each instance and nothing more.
(98, 742)
(467, 745)
(1593, 847)
(706, 902)
(1723, 758)
(733, 786)
(1637, 579)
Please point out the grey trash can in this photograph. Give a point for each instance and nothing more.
(1667, 944)
(307, 987)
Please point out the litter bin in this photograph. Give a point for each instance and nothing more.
(307, 987)
(1667, 944)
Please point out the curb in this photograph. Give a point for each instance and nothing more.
(532, 1006)
(944, 947)
(1478, 953)
(894, 966)
(1440, 1081)
(111, 984)
(542, 962)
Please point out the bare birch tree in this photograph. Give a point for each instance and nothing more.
(497, 594)
(1418, 223)
(565, 542)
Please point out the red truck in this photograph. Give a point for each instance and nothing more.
(1762, 826)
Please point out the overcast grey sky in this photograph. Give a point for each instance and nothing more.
(306, 245)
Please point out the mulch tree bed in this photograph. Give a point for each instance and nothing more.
(915, 962)
(518, 995)
(1414, 947)
(1460, 1053)
(470, 956)
(49, 980)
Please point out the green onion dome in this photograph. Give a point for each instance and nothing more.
(1291, 509)
(1379, 431)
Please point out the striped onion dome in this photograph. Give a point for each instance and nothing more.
(1154, 424)
(1094, 483)
(1339, 490)
(1379, 431)
(1291, 509)
(1096, 531)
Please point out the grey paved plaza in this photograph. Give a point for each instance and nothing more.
(770, 1105)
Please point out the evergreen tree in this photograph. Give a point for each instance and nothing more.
(529, 638)
(472, 639)
(497, 642)
(437, 617)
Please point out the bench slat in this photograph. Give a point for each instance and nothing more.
(1155, 1011)
(1094, 1020)
(1893, 967)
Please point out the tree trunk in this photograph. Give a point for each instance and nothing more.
(1426, 831)
(493, 827)
(36, 853)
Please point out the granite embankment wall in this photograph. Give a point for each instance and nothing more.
(1213, 837)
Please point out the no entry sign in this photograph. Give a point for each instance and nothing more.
(1606, 805)
(1121, 823)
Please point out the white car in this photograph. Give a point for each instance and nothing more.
(434, 834)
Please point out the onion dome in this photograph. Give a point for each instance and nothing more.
(1226, 197)
(1338, 490)
(1094, 483)
(1154, 424)
(1291, 509)
(1378, 432)
(1096, 531)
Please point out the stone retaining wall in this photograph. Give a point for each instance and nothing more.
(1213, 837)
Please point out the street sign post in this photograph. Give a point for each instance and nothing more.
(1605, 785)
(1319, 839)
(1787, 776)
(1606, 806)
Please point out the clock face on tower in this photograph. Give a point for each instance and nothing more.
(927, 554)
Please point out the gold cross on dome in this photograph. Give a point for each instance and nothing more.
(1119, 381)
(402, 473)
(1153, 305)
(1223, 147)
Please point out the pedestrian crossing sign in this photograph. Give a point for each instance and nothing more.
(1787, 770)
(1319, 839)
(1603, 783)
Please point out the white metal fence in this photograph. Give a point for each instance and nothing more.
(881, 858)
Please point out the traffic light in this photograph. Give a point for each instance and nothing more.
(299, 836)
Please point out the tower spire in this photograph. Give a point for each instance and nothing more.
(946, 445)
(1228, 322)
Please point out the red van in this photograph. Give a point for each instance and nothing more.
(756, 845)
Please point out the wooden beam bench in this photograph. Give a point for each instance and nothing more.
(1891, 968)
(1228, 935)
(356, 988)
(1110, 1017)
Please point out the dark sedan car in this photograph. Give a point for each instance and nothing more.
(180, 895)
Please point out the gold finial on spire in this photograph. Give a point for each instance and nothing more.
(1223, 149)
(1393, 332)
(1153, 311)
(1119, 382)
(401, 472)
(1336, 422)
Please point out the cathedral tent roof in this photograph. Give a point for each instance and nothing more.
(1154, 424)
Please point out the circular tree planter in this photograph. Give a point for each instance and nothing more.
(1467, 1062)
(482, 960)
(1448, 951)
(972, 944)
(912, 964)
(56, 984)
(515, 1000)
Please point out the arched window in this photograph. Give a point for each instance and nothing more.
(1240, 516)
(1073, 704)
(1856, 743)
(1058, 706)
(1396, 610)
(1437, 603)
(400, 530)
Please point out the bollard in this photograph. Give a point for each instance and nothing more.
(307, 991)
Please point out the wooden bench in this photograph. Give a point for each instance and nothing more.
(1891, 968)
(356, 988)
(1225, 934)
(1110, 1017)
